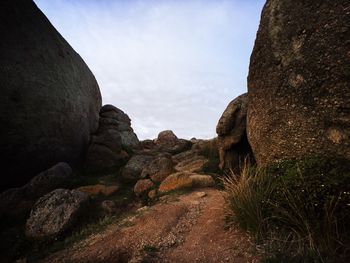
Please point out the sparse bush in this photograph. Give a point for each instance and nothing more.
(299, 209)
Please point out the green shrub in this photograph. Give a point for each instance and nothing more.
(299, 209)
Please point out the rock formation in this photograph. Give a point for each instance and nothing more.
(49, 99)
(113, 138)
(232, 137)
(298, 83)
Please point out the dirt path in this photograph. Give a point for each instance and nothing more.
(186, 228)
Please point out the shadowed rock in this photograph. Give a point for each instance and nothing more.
(134, 167)
(16, 201)
(49, 99)
(232, 138)
(298, 83)
(113, 137)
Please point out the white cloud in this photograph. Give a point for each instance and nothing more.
(167, 64)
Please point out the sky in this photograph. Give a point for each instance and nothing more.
(168, 64)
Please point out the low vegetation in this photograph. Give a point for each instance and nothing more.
(298, 210)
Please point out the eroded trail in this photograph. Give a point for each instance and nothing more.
(185, 228)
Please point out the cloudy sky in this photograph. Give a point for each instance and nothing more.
(172, 64)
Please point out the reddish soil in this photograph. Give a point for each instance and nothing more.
(186, 228)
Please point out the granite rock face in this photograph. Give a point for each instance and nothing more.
(298, 83)
(233, 144)
(49, 99)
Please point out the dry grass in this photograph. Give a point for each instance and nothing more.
(286, 220)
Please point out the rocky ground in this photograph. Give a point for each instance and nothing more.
(179, 228)
(162, 205)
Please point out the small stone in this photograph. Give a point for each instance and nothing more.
(201, 194)
(143, 186)
(152, 194)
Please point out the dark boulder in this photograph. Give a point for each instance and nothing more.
(232, 141)
(133, 169)
(298, 83)
(16, 202)
(114, 137)
(49, 99)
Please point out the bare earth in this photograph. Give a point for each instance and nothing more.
(186, 228)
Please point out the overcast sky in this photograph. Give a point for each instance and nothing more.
(172, 64)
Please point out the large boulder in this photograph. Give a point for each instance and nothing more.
(233, 144)
(166, 137)
(168, 142)
(49, 99)
(298, 83)
(55, 213)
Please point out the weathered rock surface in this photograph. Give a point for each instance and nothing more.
(158, 169)
(55, 213)
(181, 180)
(19, 200)
(233, 144)
(49, 99)
(113, 137)
(298, 83)
(134, 167)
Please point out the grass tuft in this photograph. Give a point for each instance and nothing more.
(299, 210)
